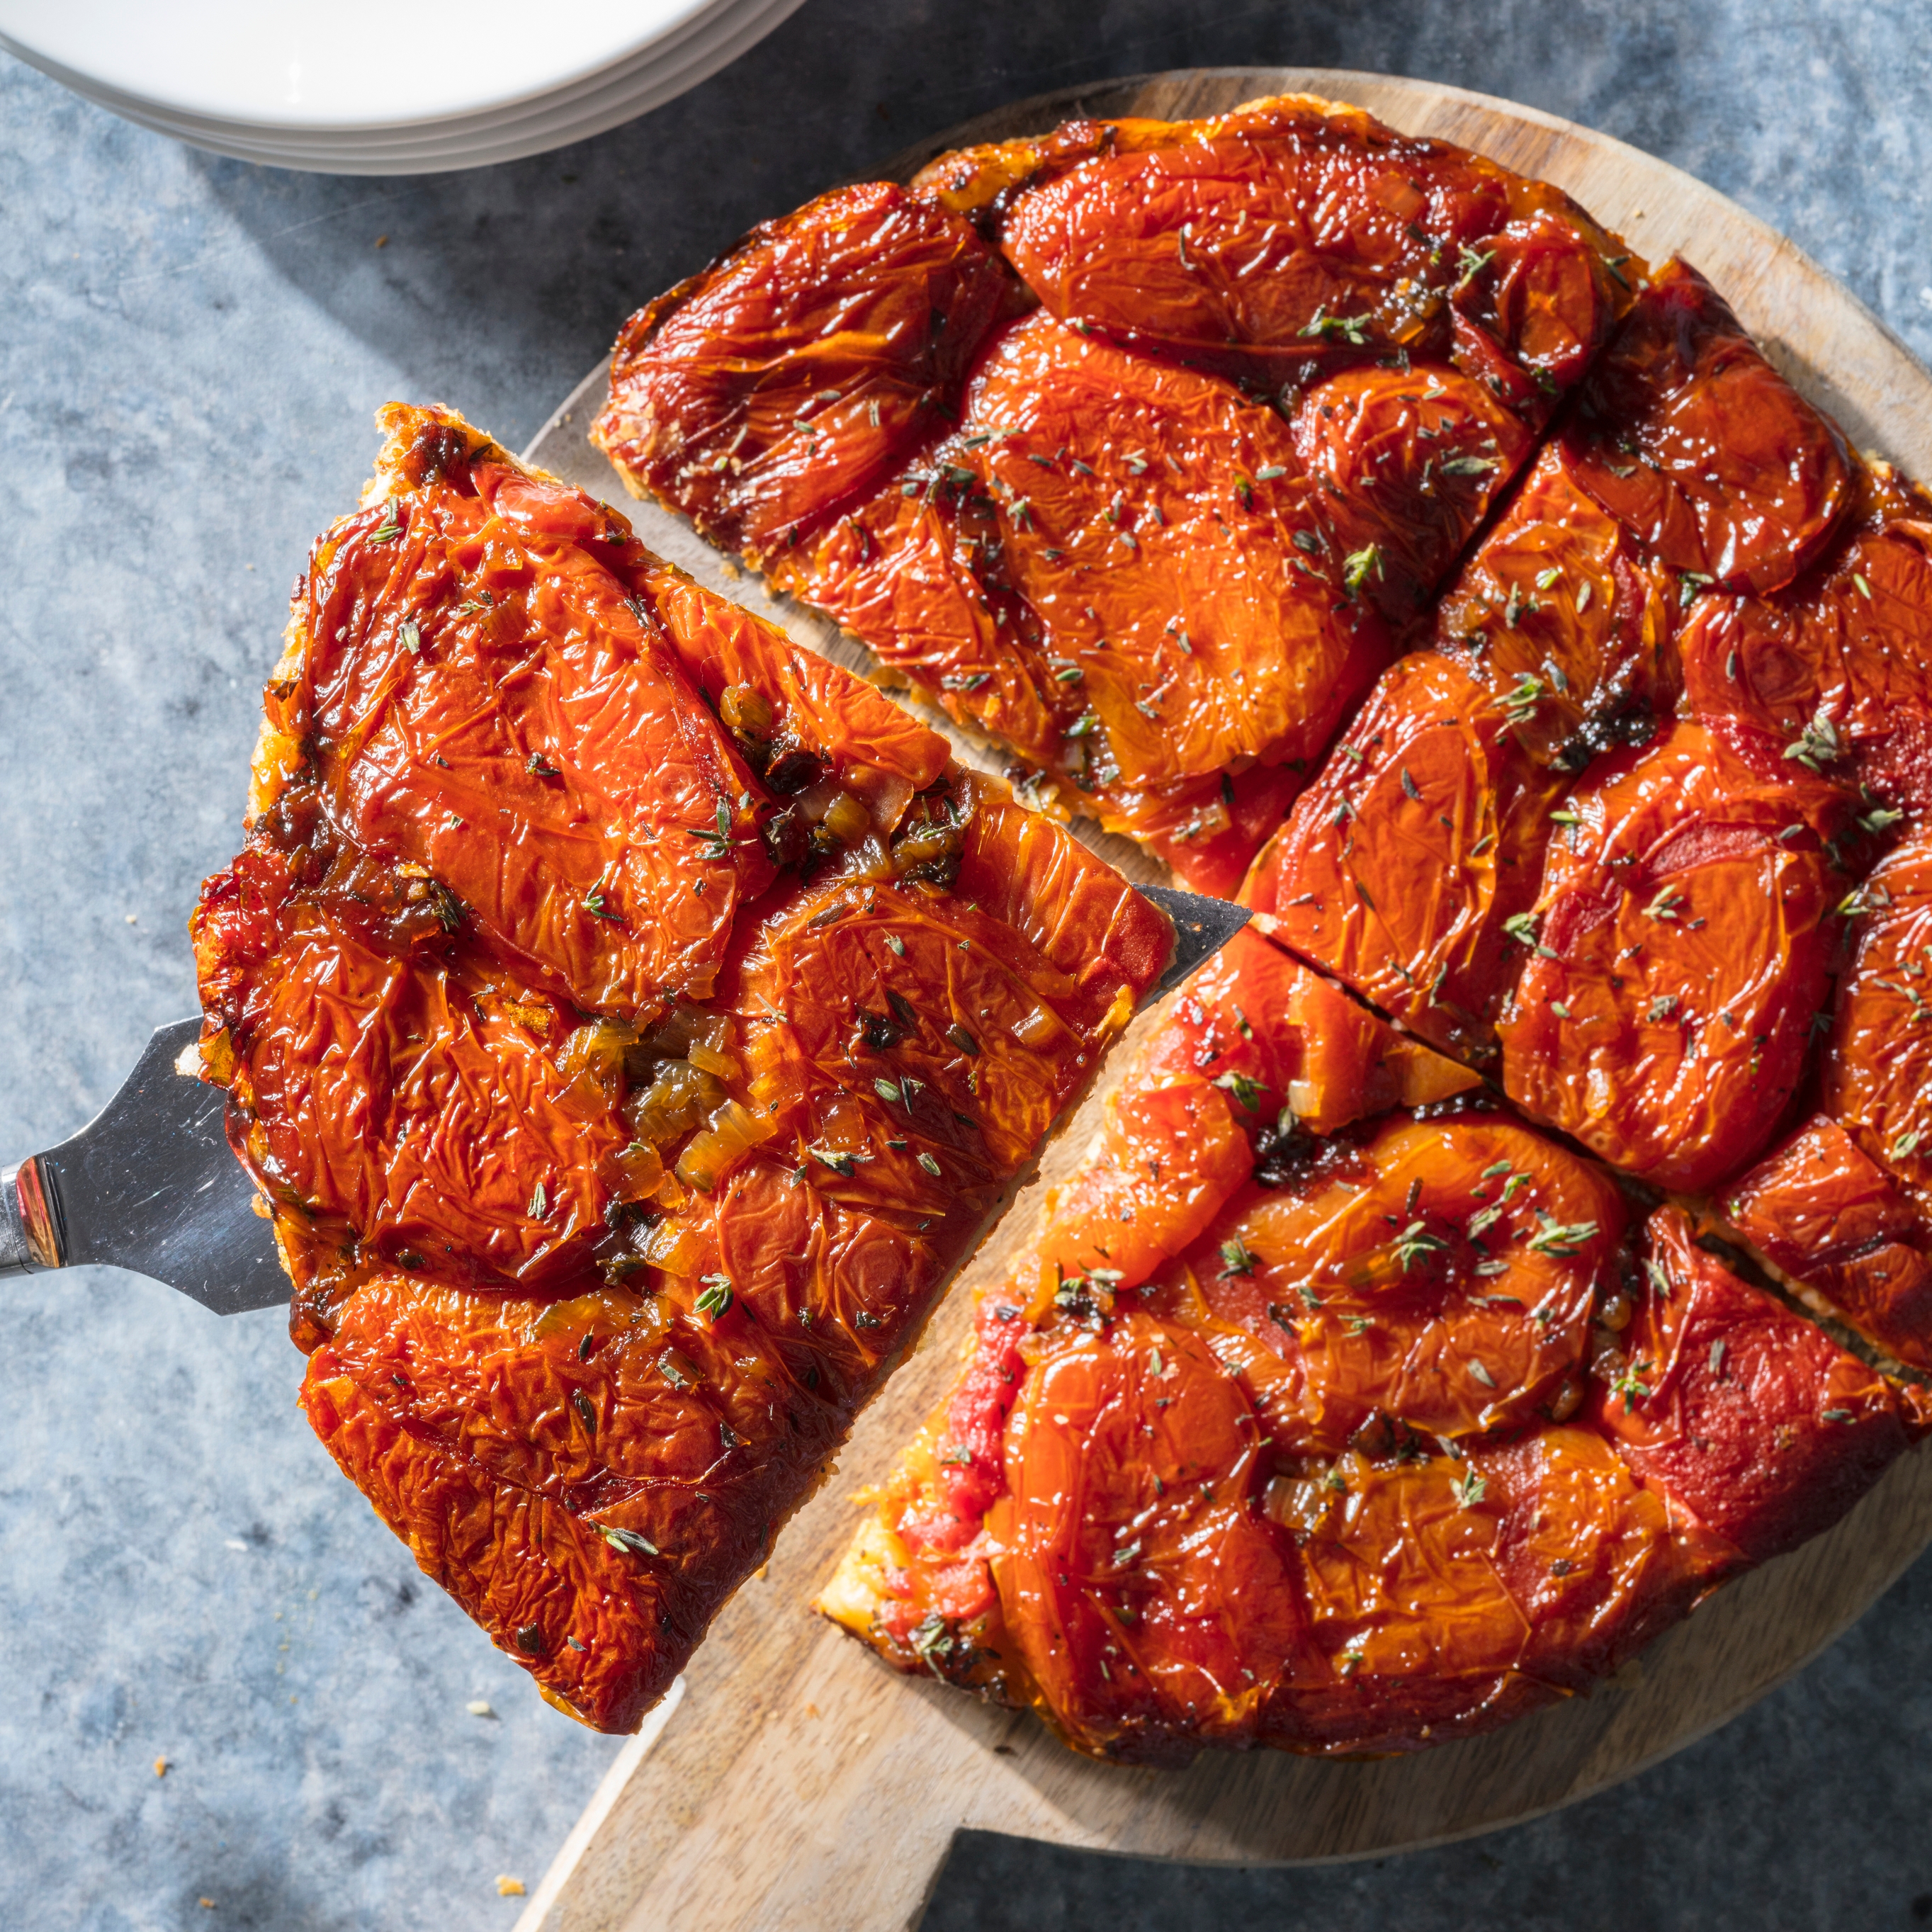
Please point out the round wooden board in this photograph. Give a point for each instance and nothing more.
(797, 1782)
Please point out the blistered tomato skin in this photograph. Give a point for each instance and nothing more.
(1150, 1603)
(1689, 438)
(1566, 620)
(1838, 664)
(1404, 468)
(1280, 242)
(1257, 1052)
(1117, 567)
(794, 373)
(458, 671)
(1444, 1273)
(1746, 1416)
(1402, 865)
(604, 1220)
(1829, 1217)
(1449, 1596)
(1871, 1076)
(1676, 957)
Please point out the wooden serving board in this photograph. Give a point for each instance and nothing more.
(792, 1780)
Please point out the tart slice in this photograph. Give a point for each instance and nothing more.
(632, 1021)
(1137, 447)
(1358, 1436)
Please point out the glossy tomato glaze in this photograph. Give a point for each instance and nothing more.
(1336, 1405)
(1389, 1427)
(1139, 446)
(631, 1020)
(1353, 1440)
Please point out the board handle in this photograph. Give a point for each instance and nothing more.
(30, 1223)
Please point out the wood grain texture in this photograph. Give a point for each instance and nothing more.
(801, 1784)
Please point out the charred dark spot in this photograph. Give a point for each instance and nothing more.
(791, 771)
(1471, 1100)
(787, 838)
(1282, 1158)
(438, 450)
(877, 1033)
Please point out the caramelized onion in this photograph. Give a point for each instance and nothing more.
(732, 1128)
(679, 1096)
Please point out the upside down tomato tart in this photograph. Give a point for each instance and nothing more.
(631, 1022)
(1524, 1227)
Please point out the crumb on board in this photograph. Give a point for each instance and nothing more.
(508, 1887)
(160, 1767)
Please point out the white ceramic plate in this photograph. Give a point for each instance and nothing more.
(702, 37)
(335, 64)
(681, 60)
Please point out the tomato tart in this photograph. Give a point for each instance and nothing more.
(631, 1020)
(1523, 1227)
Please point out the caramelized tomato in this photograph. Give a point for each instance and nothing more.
(1872, 1076)
(1290, 236)
(1449, 1595)
(795, 373)
(1441, 1276)
(485, 704)
(1677, 955)
(1688, 437)
(1562, 614)
(1826, 1215)
(1836, 667)
(1744, 1415)
(1115, 566)
(1151, 1603)
(1404, 863)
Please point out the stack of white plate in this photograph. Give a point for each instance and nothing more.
(382, 87)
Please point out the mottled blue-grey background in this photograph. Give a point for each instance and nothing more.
(191, 350)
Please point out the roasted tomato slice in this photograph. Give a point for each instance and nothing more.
(638, 1446)
(1407, 463)
(478, 697)
(797, 720)
(1090, 496)
(1440, 1277)
(1689, 437)
(390, 1081)
(1678, 953)
(1873, 1077)
(1149, 1600)
(544, 1583)
(899, 1031)
(1402, 866)
(1744, 1415)
(1836, 667)
(1257, 1053)
(1447, 1596)
(796, 372)
(1565, 618)
(1827, 1216)
(1287, 237)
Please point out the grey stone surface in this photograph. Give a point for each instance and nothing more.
(191, 351)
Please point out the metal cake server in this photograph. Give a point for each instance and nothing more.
(150, 1184)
